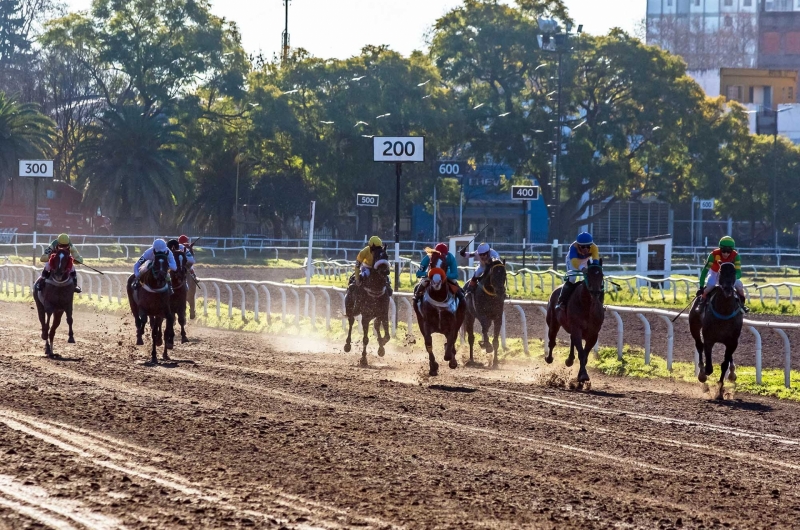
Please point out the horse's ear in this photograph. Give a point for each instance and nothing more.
(601, 262)
(504, 261)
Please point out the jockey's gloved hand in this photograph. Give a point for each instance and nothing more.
(48, 251)
(463, 253)
(699, 292)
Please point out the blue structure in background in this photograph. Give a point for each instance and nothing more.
(485, 203)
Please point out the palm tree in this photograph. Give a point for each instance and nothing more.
(132, 167)
(24, 133)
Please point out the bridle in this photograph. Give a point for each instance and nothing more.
(596, 293)
(487, 286)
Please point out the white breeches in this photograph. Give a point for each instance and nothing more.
(713, 278)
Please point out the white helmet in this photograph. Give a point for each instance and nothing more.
(159, 245)
(483, 248)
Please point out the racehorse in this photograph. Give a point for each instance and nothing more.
(721, 322)
(370, 299)
(151, 299)
(439, 312)
(582, 319)
(55, 298)
(177, 300)
(486, 305)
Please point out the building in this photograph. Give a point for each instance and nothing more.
(764, 88)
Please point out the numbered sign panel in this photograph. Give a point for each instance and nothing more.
(364, 199)
(451, 168)
(525, 193)
(36, 168)
(398, 149)
(707, 204)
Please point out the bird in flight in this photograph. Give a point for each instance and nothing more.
(360, 123)
(368, 136)
(503, 115)
(479, 105)
(383, 116)
(326, 122)
(426, 97)
(425, 83)
(291, 91)
(358, 78)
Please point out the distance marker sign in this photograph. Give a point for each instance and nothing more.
(525, 193)
(364, 199)
(451, 168)
(36, 168)
(398, 149)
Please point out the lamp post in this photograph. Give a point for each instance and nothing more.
(775, 177)
(553, 39)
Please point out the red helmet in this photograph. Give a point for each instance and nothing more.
(183, 239)
(442, 249)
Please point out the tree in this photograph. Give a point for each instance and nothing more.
(131, 166)
(24, 133)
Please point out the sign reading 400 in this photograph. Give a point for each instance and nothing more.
(36, 168)
(398, 148)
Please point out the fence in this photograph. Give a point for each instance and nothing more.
(13, 277)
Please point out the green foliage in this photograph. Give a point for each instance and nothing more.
(24, 133)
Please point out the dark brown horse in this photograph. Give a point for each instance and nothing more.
(582, 319)
(180, 289)
(151, 300)
(439, 311)
(55, 298)
(370, 299)
(486, 305)
(721, 322)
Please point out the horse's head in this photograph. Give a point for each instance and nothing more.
(727, 278)
(437, 277)
(179, 277)
(595, 280)
(160, 268)
(380, 260)
(495, 282)
(60, 263)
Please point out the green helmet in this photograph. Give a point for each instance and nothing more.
(63, 239)
(727, 242)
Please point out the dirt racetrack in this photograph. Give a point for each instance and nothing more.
(250, 430)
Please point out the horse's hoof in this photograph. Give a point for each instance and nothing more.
(71, 340)
(165, 357)
(139, 342)
(709, 369)
(489, 348)
(381, 351)
(569, 362)
(732, 377)
(363, 362)
(347, 348)
(184, 340)
(191, 316)
(453, 364)
(447, 355)
(433, 372)
(159, 341)
(702, 377)
(170, 346)
(587, 385)
(154, 361)
(496, 364)
(549, 359)
(44, 335)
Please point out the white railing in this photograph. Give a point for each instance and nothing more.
(19, 277)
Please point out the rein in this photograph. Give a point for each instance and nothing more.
(602, 289)
(488, 274)
(720, 316)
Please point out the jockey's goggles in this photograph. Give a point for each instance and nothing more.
(584, 247)
(484, 255)
(726, 250)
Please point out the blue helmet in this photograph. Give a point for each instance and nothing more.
(584, 238)
(159, 245)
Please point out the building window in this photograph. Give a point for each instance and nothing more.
(790, 96)
(697, 2)
(728, 21)
(748, 3)
(734, 93)
(669, 3)
(728, 3)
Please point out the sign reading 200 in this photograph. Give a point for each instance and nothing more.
(398, 149)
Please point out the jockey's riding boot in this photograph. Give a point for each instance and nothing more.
(563, 296)
(470, 286)
(74, 276)
(742, 301)
(389, 286)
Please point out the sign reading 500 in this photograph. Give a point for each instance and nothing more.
(398, 148)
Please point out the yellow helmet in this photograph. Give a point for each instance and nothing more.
(375, 241)
(63, 239)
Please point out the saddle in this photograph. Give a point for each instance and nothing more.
(450, 303)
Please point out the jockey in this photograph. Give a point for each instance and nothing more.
(62, 241)
(582, 252)
(724, 254)
(364, 263)
(185, 247)
(445, 261)
(160, 246)
(486, 255)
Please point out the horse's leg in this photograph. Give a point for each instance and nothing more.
(169, 332)
(469, 325)
(53, 328)
(43, 320)
(141, 321)
(434, 366)
(552, 332)
(377, 326)
(485, 323)
(571, 359)
(583, 358)
(71, 338)
(709, 347)
(498, 323)
(349, 332)
(48, 348)
(182, 322)
(726, 363)
(365, 320)
(154, 337)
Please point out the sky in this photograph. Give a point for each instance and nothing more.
(340, 28)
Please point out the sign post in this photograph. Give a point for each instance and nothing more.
(309, 265)
(398, 149)
(455, 169)
(35, 169)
